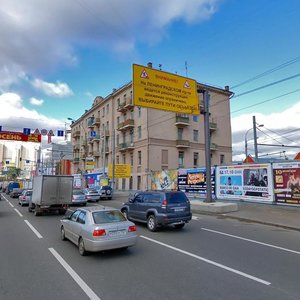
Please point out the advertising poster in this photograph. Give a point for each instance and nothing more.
(164, 180)
(249, 182)
(287, 182)
(193, 181)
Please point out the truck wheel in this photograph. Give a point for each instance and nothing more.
(81, 248)
(151, 223)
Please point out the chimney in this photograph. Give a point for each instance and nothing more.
(149, 65)
(227, 88)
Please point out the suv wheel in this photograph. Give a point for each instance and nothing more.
(151, 223)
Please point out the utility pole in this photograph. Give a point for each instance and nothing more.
(113, 160)
(206, 98)
(255, 139)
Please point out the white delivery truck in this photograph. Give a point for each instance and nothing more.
(51, 193)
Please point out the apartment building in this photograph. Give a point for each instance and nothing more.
(149, 139)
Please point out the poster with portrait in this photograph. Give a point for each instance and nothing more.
(245, 182)
(287, 182)
(193, 181)
(164, 180)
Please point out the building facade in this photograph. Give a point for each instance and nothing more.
(113, 130)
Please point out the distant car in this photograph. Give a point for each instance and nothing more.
(15, 193)
(158, 208)
(91, 194)
(25, 197)
(78, 197)
(98, 228)
(12, 185)
(106, 192)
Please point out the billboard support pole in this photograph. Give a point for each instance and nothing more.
(206, 97)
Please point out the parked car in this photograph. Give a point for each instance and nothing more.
(91, 194)
(158, 208)
(15, 193)
(78, 197)
(98, 228)
(12, 185)
(25, 197)
(106, 192)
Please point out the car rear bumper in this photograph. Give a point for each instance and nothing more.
(166, 220)
(94, 246)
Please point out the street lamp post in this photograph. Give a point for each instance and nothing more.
(255, 125)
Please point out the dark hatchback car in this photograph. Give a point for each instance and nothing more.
(158, 208)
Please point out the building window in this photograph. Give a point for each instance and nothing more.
(139, 158)
(180, 159)
(130, 183)
(195, 135)
(195, 118)
(222, 159)
(196, 157)
(107, 109)
(123, 183)
(139, 111)
(124, 158)
(118, 102)
(179, 133)
(103, 111)
(139, 132)
(118, 159)
(118, 121)
(118, 140)
(131, 159)
(139, 181)
(164, 157)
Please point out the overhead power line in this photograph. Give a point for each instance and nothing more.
(281, 66)
(267, 85)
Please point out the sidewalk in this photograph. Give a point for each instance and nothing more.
(270, 214)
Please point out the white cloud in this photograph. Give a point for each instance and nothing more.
(37, 102)
(14, 116)
(57, 89)
(43, 34)
(278, 129)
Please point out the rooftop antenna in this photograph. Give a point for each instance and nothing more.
(160, 65)
(186, 69)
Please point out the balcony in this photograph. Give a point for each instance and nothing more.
(82, 156)
(212, 126)
(96, 122)
(213, 147)
(182, 143)
(76, 160)
(125, 105)
(90, 122)
(106, 150)
(96, 153)
(182, 120)
(76, 147)
(96, 138)
(128, 124)
(126, 146)
(76, 134)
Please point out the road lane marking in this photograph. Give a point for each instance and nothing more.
(18, 212)
(252, 241)
(33, 229)
(209, 261)
(10, 204)
(89, 292)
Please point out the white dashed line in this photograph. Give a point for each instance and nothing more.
(209, 261)
(89, 292)
(33, 229)
(17, 211)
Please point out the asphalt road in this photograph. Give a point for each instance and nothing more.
(211, 258)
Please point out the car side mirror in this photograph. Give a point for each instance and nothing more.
(131, 200)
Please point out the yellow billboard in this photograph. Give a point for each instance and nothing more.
(89, 164)
(165, 91)
(121, 171)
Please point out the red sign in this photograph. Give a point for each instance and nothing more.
(249, 159)
(19, 136)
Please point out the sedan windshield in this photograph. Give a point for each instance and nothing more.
(101, 217)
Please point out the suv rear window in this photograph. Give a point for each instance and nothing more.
(174, 198)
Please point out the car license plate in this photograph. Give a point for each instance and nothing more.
(179, 209)
(117, 233)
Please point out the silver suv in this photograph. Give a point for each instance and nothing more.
(158, 208)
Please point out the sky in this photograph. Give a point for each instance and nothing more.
(57, 56)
